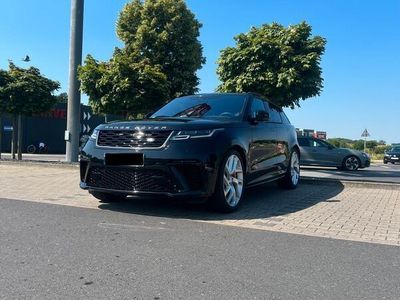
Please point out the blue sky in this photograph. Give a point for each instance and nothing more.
(360, 67)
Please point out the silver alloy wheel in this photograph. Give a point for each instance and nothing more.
(233, 180)
(352, 163)
(295, 168)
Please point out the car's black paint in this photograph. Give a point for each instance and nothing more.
(265, 148)
(392, 155)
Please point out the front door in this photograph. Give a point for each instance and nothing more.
(263, 148)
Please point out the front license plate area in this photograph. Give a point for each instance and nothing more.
(124, 159)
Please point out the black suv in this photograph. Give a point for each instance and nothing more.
(210, 145)
(392, 155)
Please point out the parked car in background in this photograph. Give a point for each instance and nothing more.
(392, 155)
(211, 146)
(316, 152)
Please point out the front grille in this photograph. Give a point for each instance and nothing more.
(132, 138)
(131, 179)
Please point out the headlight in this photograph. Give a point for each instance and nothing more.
(365, 155)
(193, 134)
(94, 134)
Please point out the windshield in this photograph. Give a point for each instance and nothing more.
(395, 149)
(213, 106)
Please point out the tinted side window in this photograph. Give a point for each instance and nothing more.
(284, 118)
(274, 114)
(318, 143)
(303, 142)
(256, 105)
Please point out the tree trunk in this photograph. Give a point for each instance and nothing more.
(14, 136)
(20, 132)
(1, 134)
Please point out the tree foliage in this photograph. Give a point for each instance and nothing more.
(62, 98)
(280, 63)
(158, 62)
(373, 147)
(25, 91)
(121, 86)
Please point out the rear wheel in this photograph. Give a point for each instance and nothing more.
(108, 197)
(229, 188)
(292, 176)
(351, 163)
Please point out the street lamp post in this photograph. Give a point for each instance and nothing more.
(74, 95)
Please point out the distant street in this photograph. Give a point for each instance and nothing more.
(378, 172)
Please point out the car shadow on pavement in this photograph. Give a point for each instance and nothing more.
(261, 202)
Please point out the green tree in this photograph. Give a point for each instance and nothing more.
(25, 92)
(62, 98)
(165, 32)
(280, 63)
(121, 86)
(158, 62)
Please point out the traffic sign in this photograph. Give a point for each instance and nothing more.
(365, 133)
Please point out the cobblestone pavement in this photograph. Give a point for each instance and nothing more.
(349, 211)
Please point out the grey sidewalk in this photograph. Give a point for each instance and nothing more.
(37, 157)
(357, 212)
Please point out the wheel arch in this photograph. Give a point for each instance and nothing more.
(297, 149)
(242, 153)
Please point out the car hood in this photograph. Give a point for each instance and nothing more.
(168, 124)
(393, 153)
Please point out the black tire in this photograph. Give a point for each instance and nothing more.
(385, 162)
(354, 165)
(31, 149)
(289, 181)
(108, 197)
(218, 202)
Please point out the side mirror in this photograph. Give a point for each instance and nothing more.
(259, 116)
(330, 147)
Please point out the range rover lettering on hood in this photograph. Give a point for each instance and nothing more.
(123, 127)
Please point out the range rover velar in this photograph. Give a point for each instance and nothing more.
(210, 146)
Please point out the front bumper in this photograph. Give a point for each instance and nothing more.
(392, 159)
(367, 163)
(178, 170)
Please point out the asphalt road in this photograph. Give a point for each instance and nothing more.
(378, 172)
(60, 252)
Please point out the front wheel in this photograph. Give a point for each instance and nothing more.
(229, 188)
(107, 197)
(292, 176)
(351, 163)
(31, 149)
